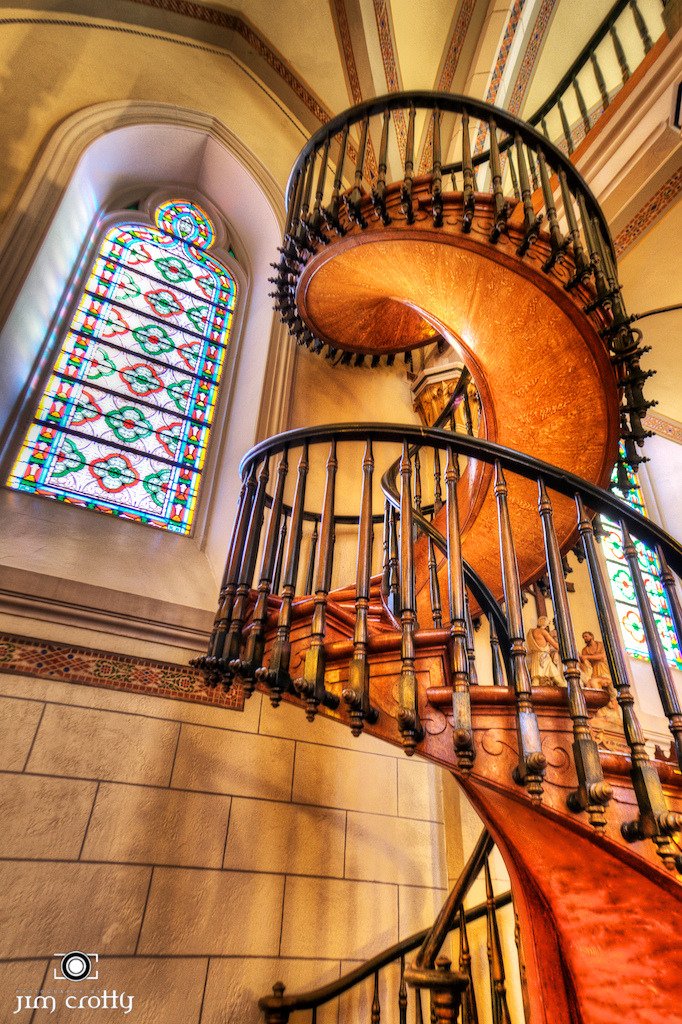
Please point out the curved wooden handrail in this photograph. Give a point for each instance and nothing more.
(527, 466)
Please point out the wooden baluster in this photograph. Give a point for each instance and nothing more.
(418, 1010)
(545, 129)
(659, 662)
(406, 204)
(593, 793)
(498, 990)
(354, 200)
(437, 492)
(641, 26)
(673, 598)
(309, 173)
(295, 209)
(565, 126)
(530, 221)
(469, 1008)
(436, 177)
(417, 482)
(582, 106)
(376, 1006)
(402, 994)
(384, 550)
(331, 214)
(408, 715)
(210, 655)
(654, 820)
(500, 210)
(233, 641)
(393, 566)
(356, 694)
(279, 558)
(311, 687)
(555, 237)
(582, 266)
(514, 176)
(310, 575)
(499, 677)
(532, 761)
(599, 78)
(533, 169)
(255, 645)
(471, 652)
(468, 419)
(600, 281)
(463, 737)
(313, 1016)
(315, 220)
(379, 191)
(468, 195)
(276, 677)
(522, 969)
(434, 588)
(215, 660)
(620, 54)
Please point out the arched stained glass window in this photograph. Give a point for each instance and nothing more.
(623, 588)
(124, 421)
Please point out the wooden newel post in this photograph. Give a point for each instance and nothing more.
(273, 1007)
(446, 997)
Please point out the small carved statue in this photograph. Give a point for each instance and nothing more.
(542, 648)
(593, 663)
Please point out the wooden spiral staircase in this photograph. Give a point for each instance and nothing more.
(505, 255)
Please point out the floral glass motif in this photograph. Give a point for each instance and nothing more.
(123, 424)
(623, 588)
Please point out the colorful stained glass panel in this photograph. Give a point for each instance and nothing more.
(124, 422)
(623, 588)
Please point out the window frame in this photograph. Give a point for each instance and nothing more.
(118, 214)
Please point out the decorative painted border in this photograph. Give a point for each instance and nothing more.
(447, 73)
(348, 55)
(500, 66)
(664, 427)
(43, 659)
(650, 213)
(531, 55)
(388, 56)
(232, 22)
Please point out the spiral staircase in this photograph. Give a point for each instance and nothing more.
(504, 256)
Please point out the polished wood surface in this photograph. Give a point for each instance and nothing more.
(546, 383)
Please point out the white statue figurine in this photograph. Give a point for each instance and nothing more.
(541, 646)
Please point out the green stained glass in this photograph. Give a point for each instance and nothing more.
(124, 421)
(623, 587)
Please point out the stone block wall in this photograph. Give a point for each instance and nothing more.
(202, 853)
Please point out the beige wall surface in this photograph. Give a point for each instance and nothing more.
(203, 854)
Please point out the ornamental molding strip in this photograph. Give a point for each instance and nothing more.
(41, 659)
(659, 204)
(664, 426)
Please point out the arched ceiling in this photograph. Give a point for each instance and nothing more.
(322, 56)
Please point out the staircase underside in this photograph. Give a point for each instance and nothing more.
(544, 375)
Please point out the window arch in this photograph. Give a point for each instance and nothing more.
(123, 424)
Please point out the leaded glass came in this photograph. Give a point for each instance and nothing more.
(623, 588)
(124, 422)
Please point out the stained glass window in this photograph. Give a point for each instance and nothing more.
(124, 422)
(623, 587)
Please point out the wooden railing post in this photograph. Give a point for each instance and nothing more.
(408, 714)
(593, 793)
(531, 767)
(462, 736)
(356, 694)
(654, 820)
